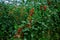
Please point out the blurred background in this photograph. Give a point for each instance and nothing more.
(29, 19)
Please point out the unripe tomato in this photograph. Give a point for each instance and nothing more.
(55, 6)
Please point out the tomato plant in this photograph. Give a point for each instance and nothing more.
(30, 20)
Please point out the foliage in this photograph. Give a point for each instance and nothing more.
(30, 22)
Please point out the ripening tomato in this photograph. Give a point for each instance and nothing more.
(22, 35)
(31, 14)
(0, 14)
(17, 36)
(29, 17)
(31, 11)
(45, 7)
(49, 3)
(30, 20)
(49, 31)
(29, 25)
(19, 30)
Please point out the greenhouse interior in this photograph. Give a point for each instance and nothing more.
(29, 19)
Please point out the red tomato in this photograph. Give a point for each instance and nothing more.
(45, 7)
